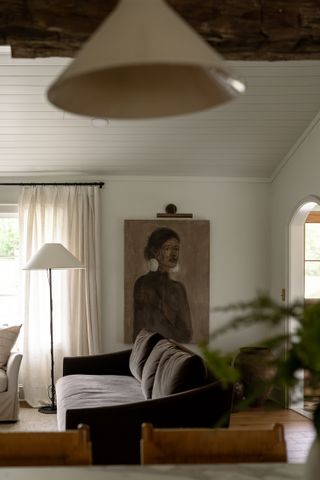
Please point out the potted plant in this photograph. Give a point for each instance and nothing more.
(292, 352)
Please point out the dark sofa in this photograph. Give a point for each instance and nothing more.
(157, 381)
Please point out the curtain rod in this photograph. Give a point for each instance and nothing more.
(22, 184)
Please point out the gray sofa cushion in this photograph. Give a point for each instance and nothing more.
(178, 370)
(143, 345)
(151, 365)
(88, 391)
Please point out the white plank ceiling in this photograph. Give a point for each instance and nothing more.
(248, 137)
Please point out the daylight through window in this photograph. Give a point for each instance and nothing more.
(312, 256)
(9, 265)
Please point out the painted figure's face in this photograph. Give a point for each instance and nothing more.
(168, 254)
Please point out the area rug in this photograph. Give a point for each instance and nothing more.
(31, 420)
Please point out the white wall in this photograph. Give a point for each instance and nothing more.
(298, 179)
(296, 182)
(8, 194)
(239, 231)
(239, 221)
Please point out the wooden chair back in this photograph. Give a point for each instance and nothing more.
(70, 447)
(183, 445)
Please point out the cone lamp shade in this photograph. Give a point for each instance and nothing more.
(53, 255)
(144, 61)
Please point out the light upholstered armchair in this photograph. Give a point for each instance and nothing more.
(9, 402)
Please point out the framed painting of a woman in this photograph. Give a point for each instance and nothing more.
(167, 278)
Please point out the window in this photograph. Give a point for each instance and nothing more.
(311, 290)
(312, 256)
(9, 265)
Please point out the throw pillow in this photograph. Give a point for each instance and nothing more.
(178, 370)
(8, 337)
(151, 365)
(143, 345)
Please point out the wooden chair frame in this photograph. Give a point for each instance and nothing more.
(70, 447)
(183, 445)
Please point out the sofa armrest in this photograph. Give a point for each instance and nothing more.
(116, 363)
(116, 430)
(13, 367)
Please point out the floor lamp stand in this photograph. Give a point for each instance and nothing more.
(52, 391)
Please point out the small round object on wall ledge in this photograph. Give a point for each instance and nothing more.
(171, 209)
(257, 368)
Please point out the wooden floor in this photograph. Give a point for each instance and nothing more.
(299, 430)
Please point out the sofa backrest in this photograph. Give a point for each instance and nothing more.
(165, 367)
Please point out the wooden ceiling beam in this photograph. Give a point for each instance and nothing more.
(239, 30)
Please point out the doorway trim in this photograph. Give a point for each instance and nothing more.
(296, 278)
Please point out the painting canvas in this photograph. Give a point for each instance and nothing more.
(167, 278)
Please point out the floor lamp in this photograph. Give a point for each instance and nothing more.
(52, 256)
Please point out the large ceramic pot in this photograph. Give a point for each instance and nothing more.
(257, 372)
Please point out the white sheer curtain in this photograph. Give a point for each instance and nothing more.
(69, 215)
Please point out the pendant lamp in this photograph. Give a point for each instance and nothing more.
(144, 61)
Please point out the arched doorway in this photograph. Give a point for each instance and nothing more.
(296, 277)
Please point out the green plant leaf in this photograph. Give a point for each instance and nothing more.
(293, 352)
(220, 366)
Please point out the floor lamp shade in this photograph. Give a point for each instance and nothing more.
(52, 256)
(144, 61)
